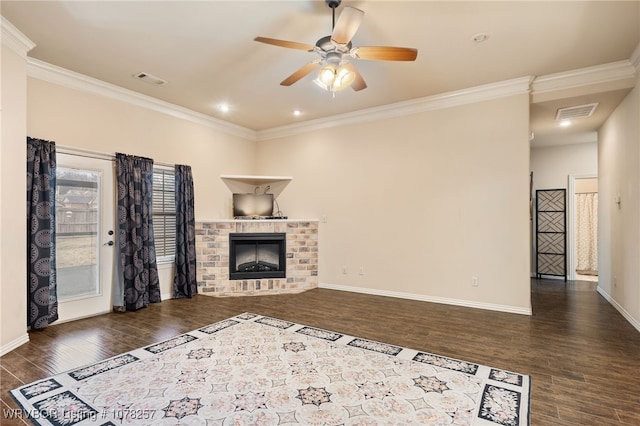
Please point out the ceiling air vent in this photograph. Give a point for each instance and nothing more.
(580, 111)
(151, 79)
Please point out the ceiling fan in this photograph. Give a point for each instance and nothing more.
(336, 71)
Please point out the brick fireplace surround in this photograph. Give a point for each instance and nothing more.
(212, 257)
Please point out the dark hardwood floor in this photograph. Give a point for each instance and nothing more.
(582, 355)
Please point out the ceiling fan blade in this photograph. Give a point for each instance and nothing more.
(347, 25)
(385, 53)
(302, 72)
(285, 43)
(358, 82)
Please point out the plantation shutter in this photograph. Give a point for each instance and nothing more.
(164, 212)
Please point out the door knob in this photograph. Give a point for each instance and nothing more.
(108, 243)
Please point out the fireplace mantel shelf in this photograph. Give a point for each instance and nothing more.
(249, 184)
(256, 180)
(260, 220)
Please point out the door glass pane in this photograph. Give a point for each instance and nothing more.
(77, 207)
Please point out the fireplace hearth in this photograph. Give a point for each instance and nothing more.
(257, 255)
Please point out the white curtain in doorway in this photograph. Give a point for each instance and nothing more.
(587, 233)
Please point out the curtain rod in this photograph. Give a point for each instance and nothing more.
(81, 152)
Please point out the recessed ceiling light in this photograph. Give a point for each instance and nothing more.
(480, 37)
(565, 123)
(223, 107)
(297, 112)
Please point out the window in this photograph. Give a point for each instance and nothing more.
(76, 239)
(164, 213)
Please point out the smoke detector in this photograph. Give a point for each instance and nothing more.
(579, 111)
(151, 79)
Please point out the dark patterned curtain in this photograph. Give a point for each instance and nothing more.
(184, 283)
(41, 254)
(136, 284)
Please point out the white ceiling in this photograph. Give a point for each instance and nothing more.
(205, 50)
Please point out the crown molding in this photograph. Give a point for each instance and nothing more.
(620, 73)
(73, 80)
(598, 74)
(446, 100)
(14, 39)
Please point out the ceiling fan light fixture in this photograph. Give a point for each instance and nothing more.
(322, 85)
(334, 77)
(327, 74)
(344, 78)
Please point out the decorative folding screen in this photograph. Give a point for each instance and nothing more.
(551, 232)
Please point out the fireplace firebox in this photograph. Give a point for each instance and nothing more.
(257, 255)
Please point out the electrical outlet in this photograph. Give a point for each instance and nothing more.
(474, 282)
(323, 218)
(615, 281)
(361, 272)
(344, 270)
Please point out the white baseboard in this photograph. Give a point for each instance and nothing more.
(634, 322)
(432, 299)
(14, 344)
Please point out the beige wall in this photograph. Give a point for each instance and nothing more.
(551, 166)
(13, 223)
(619, 224)
(83, 120)
(423, 203)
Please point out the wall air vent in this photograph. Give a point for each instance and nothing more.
(580, 111)
(151, 79)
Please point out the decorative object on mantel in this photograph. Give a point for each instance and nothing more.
(253, 369)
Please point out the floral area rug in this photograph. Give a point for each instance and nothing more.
(257, 370)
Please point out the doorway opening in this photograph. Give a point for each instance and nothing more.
(583, 201)
(84, 235)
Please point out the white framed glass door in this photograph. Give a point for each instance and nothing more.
(84, 235)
